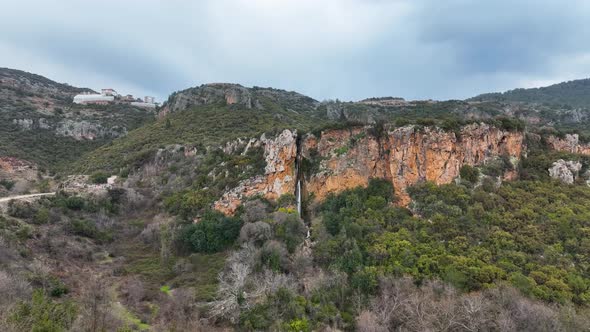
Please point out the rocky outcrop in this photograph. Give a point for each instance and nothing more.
(77, 129)
(17, 176)
(565, 171)
(569, 143)
(280, 154)
(406, 155)
(87, 130)
(341, 159)
(235, 94)
(206, 94)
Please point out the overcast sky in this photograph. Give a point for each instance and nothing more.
(346, 49)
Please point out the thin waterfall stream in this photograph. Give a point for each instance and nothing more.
(298, 188)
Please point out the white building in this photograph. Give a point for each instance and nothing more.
(108, 92)
(93, 99)
(149, 99)
(144, 105)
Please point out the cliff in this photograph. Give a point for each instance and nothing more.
(280, 154)
(341, 159)
(406, 155)
(569, 143)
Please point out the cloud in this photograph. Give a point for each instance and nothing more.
(347, 49)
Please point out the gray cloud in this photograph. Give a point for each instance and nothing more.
(347, 49)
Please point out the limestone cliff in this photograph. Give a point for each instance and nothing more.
(280, 154)
(406, 155)
(569, 143)
(346, 158)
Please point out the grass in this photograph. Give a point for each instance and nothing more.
(129, 318)
(165, 289)
(203, 275)
(45, 147)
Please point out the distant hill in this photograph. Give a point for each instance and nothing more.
(40, 123)
(572, 93)
(208, 116)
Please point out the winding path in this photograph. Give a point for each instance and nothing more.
(24, 197)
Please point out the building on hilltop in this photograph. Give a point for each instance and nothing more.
(109, 95)
(93, 99)
(108, 92)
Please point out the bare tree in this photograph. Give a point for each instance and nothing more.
(367, 321)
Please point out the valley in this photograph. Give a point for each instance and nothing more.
(249, 208)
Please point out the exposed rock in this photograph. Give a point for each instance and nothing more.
(208, 94)
(279, 177)
(87, 130)
(406, 155)
(569, 143)
(79, 130)
(23, 175)
(565, 171)
(25, 124)
(81, 185)
(347, 158)
(235, 94)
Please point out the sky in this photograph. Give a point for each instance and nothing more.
(326, 49)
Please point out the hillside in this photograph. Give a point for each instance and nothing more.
(209, 116)
(258, 209)
(39, 122)
(574, 93)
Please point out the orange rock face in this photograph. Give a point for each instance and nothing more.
(406, 155)
(348, 158)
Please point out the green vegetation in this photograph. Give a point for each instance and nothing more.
(209, 125)
(228, 170)
(51, 150)
(7, 184)
(469, 173)
(572, 93)
(43, 314)
(212, 233)
(532, 235)
(99, 178)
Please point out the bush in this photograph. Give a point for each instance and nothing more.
(7, 184)
(469, 173)
(290, 229)
(99, 178)
(86, 228)
(42, 216)
(213, 233)
(21, 209)
(75, 203)
(257, 232)
(43, 314)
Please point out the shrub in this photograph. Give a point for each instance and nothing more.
(43, 314)
(469, 173)
(23, 210)
(257, 232)
(42, 216)
(7, 184)
(75, 203)
(213, 233)
(86, 228)
(290, 229)
(99, 178)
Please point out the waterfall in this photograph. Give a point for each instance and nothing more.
(299, 196)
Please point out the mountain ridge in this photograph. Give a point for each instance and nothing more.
(573, 93)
